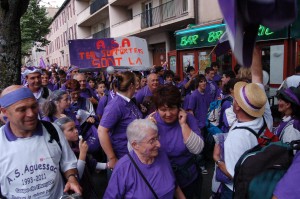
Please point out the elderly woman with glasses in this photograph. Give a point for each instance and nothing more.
(144, 164)
(179, 137)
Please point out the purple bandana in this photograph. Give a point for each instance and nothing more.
(15, 96)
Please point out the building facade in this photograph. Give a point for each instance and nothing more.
(63, 29)
(154, 20)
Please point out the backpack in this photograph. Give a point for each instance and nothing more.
(264, 135)
(259, 169)
(214, 115)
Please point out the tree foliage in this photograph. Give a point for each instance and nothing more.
(10, 41)
(34, 26)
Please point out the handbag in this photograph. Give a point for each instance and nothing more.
(142, 175)
(90, 135)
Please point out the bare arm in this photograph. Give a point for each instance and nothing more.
(256, 67)
(179, 194)
(107, 146)
(221, 164)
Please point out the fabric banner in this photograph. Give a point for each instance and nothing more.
(42, 63)
(128, 52)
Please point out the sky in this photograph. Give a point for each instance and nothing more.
(52, 3)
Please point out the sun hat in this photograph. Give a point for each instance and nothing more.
(291, 94)
(243, 18)
(251, 98)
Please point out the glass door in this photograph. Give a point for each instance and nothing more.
(148, 13)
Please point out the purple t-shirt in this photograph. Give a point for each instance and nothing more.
(288, 187)
(102, 104)
(143, 92)
(87, 93)
(126, 182)
(171, 140)
(223, 119)
(199, 104)
(211, 89)
(118, 114)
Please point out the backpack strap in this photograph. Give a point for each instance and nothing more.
(52, 131)
(282, 131)
(261, 130)
(45, 92)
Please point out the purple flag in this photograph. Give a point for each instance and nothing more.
(223, 45)
(42, 63)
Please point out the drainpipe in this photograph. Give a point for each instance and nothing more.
(196, 8)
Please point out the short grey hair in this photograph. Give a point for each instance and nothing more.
(151, 74)
(79, 74)
(137, 130)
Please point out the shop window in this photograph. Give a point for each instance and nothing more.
(273, 62)
(172, 63)
(225, 62)
(188, 60)
(204, 61)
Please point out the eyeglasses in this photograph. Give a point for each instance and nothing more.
(152, 141)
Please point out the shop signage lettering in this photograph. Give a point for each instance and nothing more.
(210, 37)
(264, 31)
(189, 40)
(214, 36)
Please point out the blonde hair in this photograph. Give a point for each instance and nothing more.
(244, 74)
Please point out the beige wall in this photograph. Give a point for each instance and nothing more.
(208, 11)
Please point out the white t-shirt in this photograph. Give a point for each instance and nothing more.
(30, 167)
(240, 140)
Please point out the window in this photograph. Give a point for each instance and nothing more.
(188, 60)
(70, 10)
(148, 14)
(204, 61)
(130, 14)
(75, 32)
(71, 32)
(185, 5)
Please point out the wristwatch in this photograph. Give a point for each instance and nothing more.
(218, 161)
(73, 174)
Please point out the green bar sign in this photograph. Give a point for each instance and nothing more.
(191, 38)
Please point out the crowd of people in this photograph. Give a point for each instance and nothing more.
(146, 129)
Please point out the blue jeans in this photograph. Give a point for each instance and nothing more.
(193, 190)
(226, 193)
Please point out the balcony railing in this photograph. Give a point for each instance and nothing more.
(168, 11)
(165, 12)
(105, 33)
(97, 5)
